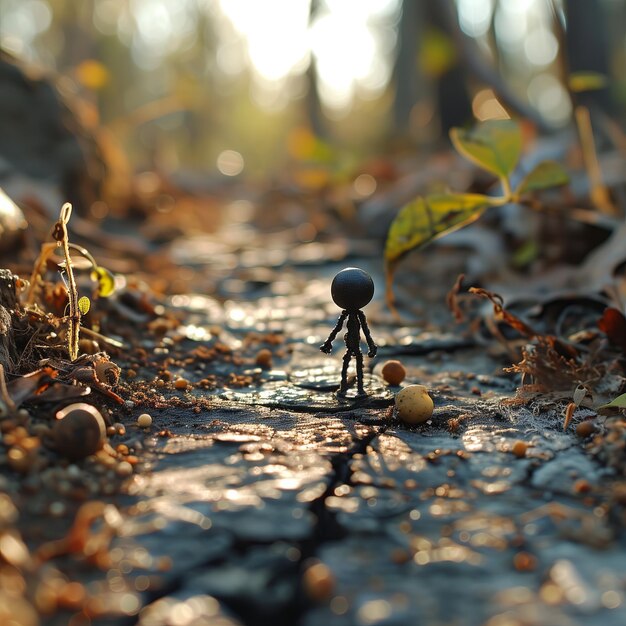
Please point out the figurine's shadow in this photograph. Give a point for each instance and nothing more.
(315, 389)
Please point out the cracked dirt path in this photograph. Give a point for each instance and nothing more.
(436, 525)
(415, 526)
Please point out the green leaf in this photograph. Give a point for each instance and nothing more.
(587, 81)
(526, 254)
(84, 304)
(617, 403)
(420, 221)
(545, 174)
(106, 281)
(494, 145)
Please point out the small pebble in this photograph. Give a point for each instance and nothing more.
(582, 486)
(88, 346)
(144, 420)
(393, 372)
(414, 405)
(524, 562)
(319, 582)
(181, 383)
(264, 358)
(124, 469)
(519, 449)
(79, 431)
(57, 509)
(585, 429)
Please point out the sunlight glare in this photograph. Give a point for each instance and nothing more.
(21, 22)
(349, 49)
(352, 41)
(475, 16)
(159, 28)
(274, 32)
(541, 46)
(106, 16)
(511, 26)
(549, 96)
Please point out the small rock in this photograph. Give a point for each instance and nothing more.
(144, 420)
(519, 449)
(318, 582)
(393, 372)
(79, 431)
(264, 358)
(414, 405)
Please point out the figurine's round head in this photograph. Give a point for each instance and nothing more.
(352, 288)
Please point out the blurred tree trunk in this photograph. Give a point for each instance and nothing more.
(453, 97)
(587, 44)
(313, 105)
(474, 62)
(406, 70)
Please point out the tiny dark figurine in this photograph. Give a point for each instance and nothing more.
(351, 290)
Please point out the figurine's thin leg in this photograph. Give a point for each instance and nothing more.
(343, 387)
(359, 372)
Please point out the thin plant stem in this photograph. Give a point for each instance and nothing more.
(599, 193)
(73, 320)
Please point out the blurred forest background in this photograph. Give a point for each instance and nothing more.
(247, 88)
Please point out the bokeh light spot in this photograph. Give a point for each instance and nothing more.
(230, 163)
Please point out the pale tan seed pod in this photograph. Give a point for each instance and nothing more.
(414, 405)
(144, 420)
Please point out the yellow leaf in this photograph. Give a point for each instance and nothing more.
(494, 145)
(543, 175)
(587, 81)
(84, 305)
(420, 221)
(92, 74)
(106, 281)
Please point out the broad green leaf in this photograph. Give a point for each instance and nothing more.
(422, 220)
(84, 304)
(545, 174)
(106, 281)
(587, 81)
(494, 145)
(617, 403)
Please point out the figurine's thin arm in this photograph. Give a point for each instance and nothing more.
(335, 331)
(368, 337)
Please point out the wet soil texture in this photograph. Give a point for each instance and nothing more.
(267, 500)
